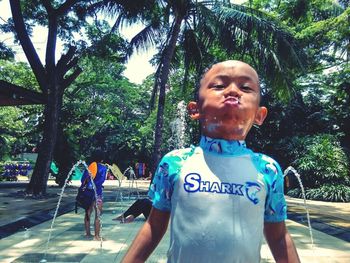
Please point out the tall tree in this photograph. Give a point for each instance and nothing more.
(62, 19)
(53, 78)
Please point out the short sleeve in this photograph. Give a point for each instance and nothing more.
(166, 175)
(275, 204)
(101, 174)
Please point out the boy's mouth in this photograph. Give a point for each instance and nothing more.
(233, 101)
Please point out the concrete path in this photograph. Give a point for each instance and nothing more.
(68, 244)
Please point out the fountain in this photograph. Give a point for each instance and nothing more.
(132, 181)
(178, 127)
(80, 162)
(297, 175)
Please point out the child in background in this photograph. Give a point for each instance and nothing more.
(140, 206)
(98, 172)
(221, 196)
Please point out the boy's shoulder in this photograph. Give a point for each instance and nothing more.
(265, 158)
(266, 164)
(180, 154)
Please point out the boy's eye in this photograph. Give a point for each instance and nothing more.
(218, 86)
(246, 88)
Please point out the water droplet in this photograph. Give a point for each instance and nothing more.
(27, 233)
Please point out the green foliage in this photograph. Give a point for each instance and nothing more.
(74, 21)
(18, 132)
(105, 45)
(322, 27)
(18, 73)
(320, 160)
(103, 110)
(18, 124)
(330, 193)
(11, 129)
(5, 51)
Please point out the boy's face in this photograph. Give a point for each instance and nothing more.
(228, 103)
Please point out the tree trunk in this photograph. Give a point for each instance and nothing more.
(52, 82)
(164, 74)
(63, 156)
(38, 181)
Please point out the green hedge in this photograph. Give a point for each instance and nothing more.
(323, 167)
(331, 193)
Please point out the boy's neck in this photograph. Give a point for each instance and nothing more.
(225, 136)
(222, 146)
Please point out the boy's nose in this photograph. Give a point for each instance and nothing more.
(233, 90)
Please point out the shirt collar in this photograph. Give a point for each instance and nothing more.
(221, 146)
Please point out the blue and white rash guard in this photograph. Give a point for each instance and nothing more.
(219, 195)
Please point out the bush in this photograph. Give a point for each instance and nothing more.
(323, 167)
(321, 160)
(331, 193)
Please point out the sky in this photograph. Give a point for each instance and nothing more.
(137, 67)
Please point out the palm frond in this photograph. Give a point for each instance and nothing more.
(254, 36)
(270, 33)
(147, 36)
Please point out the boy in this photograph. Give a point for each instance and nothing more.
(220, 196)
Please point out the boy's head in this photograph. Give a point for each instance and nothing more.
(228, 101)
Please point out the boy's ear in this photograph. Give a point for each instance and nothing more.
(192, 109)
(260, 115)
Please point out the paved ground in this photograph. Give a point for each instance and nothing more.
(25, 228)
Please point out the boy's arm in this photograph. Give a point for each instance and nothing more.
(148, 237)
(280, 243)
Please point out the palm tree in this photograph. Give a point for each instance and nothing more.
(196, 26)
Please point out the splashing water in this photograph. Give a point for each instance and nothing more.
(132, 181)
(80, 162)
(178, 127)
(131, 172)
(297, 175)
(26, 233)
